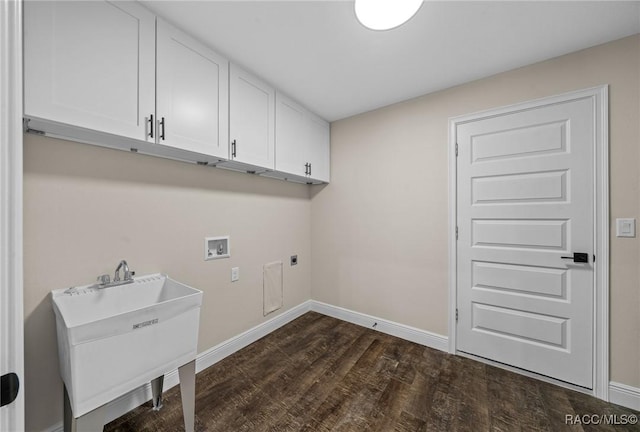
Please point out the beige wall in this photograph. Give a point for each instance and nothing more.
(379, 230)
(86, 208)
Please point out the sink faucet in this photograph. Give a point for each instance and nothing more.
(128, 275)
(105, 281)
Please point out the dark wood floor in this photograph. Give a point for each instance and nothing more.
(321, 374)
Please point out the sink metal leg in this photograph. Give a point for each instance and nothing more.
(156, 392)
(187, 374)
(93, 421)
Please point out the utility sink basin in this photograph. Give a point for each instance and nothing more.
(112, 340)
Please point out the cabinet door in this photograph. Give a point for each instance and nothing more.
(192, 94)
(90, 64)
(251, 119)
(291, 135)
(319, 142)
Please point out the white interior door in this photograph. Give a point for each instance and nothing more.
(11, 314)
(525, 202)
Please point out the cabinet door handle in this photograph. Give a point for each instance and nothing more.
(306, 168)
(162, 133)
(233, 148)
(151, 126)
(309, 168)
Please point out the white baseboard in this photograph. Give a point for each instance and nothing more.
(228, 347)
(402, 331)
(625, 395)
(620, 394)
(137, 397)
(58, 427)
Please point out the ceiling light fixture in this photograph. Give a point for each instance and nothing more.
(385, 14)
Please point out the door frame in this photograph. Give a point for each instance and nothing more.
(11, 173)
(600, 99)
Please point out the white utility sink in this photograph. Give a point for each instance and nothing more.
(114, 339)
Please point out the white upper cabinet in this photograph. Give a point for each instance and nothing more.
(290, 132)
(90, 64)
(319, 139)
(111, 73)
(251, 119)
(192, 94)
(302, 142)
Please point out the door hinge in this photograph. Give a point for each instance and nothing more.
(456, 232)
(456, 149)
(456, 314)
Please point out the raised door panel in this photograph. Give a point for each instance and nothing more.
(251, 119)
(318, 143)
(192, 94)
(90, 64)
(291, 143)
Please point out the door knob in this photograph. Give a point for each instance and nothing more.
(578, 257)
(10, 384)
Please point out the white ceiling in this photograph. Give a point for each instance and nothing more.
(318, 53)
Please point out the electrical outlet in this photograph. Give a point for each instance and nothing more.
(294, 260)
(235, 274)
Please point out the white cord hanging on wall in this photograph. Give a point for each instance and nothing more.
(385, 14)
